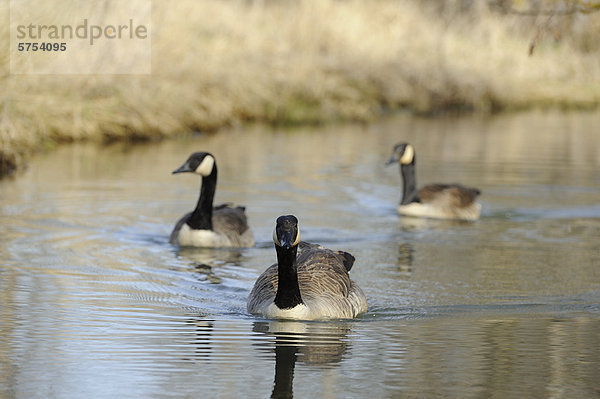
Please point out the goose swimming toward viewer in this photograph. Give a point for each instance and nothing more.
(205, 226)
(312, 283)
(439, 201)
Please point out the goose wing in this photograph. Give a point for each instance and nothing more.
(454, 195)
(321, 272)
(232, 223)
(325, 284)
(345, 257)
(264, 290)
(227, 218)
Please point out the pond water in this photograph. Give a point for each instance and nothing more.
(96, 303)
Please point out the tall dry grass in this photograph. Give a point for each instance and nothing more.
(219, 62)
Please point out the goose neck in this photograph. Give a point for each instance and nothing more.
(288, 289)
(201, 217)
(409, 186)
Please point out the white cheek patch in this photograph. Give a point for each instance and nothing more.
(297, 238)
(206, 166)
(409, 154)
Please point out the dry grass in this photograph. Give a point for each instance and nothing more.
(218, 62)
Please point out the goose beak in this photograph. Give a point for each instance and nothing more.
(392, 160)
(183, 168)
(287, 241)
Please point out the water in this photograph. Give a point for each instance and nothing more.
(96, 303)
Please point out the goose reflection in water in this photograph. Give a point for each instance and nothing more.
(211, 256)
(205, 260)
(415, 224)
(312, 343)
(202, 338)
(405, 259)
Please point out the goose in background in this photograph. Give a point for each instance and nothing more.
(308, 281)
(438, 201)
(208, 226)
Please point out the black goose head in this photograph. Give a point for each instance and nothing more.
(286, 234)
(403, 153)
(202, 163)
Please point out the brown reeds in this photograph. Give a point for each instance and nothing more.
(216, 63)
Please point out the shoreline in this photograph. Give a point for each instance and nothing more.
(217, 64)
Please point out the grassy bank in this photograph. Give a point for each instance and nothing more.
(216, 63)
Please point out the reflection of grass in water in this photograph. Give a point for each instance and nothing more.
(215, 63)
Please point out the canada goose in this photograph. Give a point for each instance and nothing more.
(439, 201)
(312, 285)
(205, 226)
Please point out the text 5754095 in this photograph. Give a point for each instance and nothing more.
(28, 46)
